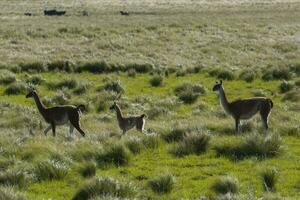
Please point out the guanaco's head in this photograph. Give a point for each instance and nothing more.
(113, 107)
(31, 94)
(218, 86)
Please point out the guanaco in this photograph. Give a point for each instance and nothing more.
(127, 123)
(58, 115)
(243, 109)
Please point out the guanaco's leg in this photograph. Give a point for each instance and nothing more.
(74, 119)
(53, 129)
(47, 129)
(264, 113)
(71, 129)
(237, 124)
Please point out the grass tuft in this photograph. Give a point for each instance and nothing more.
(12, 178)
(134, 144)
(253, 145)
(156, 80)
(16, 88)
(163, 183)
(226, 184)
(9, 193)
(176, 134)
(269, 177)
(50, 170)
(276, 73)
(7, 77)
(88, 169)
(117, 154)
(285, 86)
(192, 143)
(189, 92)
(102, 187)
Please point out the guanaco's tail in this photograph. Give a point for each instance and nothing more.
(81, 107)
(271, 103)
(143, 116)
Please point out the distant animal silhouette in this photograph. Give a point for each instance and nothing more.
(126, 13)
(54, 12)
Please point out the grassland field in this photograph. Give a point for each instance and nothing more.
(148, 57)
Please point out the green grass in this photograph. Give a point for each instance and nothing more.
(90, 59)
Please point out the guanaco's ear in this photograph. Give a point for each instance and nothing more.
(221, 82)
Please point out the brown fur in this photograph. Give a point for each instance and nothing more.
(58, 115)
(127, 123)
(245, 108)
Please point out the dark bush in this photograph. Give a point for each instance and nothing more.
(114, 86)
(7, 77)
(285, 86)
(192, 143)
(12, 178)
(16, 88)
(116, 154)
(269, 177)
(33, 67)
(156, 80)
(226, 185)
(60, 65)
(88, 169)
(94, 67)
(162, 184)
(276, 73)
(253, 145)
(247, 75)
(189, 92)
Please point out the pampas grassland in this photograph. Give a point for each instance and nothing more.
(164, 59)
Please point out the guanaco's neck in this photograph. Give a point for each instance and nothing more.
(223, 100)
(119, 113)
(39, 104)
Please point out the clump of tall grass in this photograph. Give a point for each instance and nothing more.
(247, 75)
(252, 145)
(276, 73)
(61, 65)
(131, 73)
(7, 77)
(271, 196)
(35, 79)
(157, 111)
(102, 187)
(50, 170)
(176, 134)
(9, 193)
(16, 88)
(151, 141)
(134, 144)
(269, 177)
(192, 143)
(67, 83)
(116, 154)
(189, 92)
(13, 178)
(223, 74)
(226, 184)
(156, 80)
(163, 183)
(113, 86)
(285, 86)
(61, 97)
(94, 67)
(81, 89)
(33, 67)
(88, 169)
(293, 95)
